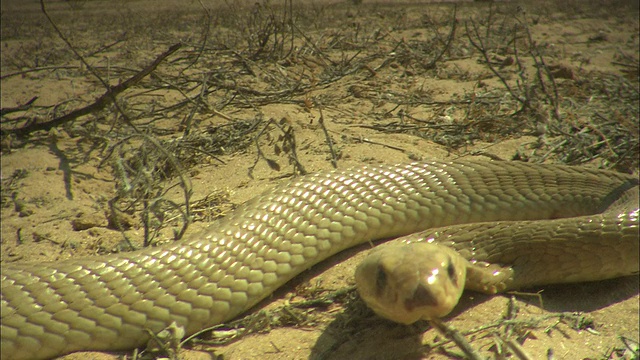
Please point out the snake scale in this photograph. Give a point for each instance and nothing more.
(109, 302)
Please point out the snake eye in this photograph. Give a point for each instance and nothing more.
(381, 279)
(451, 272)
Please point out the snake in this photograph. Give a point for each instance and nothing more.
(518, 224)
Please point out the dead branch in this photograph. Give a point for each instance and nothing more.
(476, 41)
(447, 45)
(334, 157)
(22, 107)
(97, 105)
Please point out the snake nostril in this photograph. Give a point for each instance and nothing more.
(422, 296)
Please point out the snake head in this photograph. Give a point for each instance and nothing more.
(409, 282)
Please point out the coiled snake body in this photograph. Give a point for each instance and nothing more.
(107, 303)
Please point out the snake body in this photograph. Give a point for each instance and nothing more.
(111, 302)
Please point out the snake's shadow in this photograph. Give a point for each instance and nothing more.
(358, 334)
(584, 297)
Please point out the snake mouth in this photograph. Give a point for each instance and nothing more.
(421, 297)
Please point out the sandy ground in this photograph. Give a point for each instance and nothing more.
(55, 191)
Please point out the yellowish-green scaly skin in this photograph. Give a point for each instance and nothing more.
(109, 303)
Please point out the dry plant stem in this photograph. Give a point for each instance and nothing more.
(517, 350)
(69, 67)
(180, 104)
(200, 101)
(161, 344)
(447, 45)
(507, 338)
(537, 295)
(365, 140)
(205, 37)
(113, 210)
(208, 153)
(312, 44)
(23, 107)
(36, 69)
(248, 324)
(511, 313)
(480, 46)
(91, 70)
(633, 66)
(148, 205)
(455, 336)
(528, 323)
(184, 182)
(106, 47)
(334, 158)
(272, 164)
(540, 64)
(267, 27)
(631, 345)
(288, 140)
(291, 23)
(100, 103)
